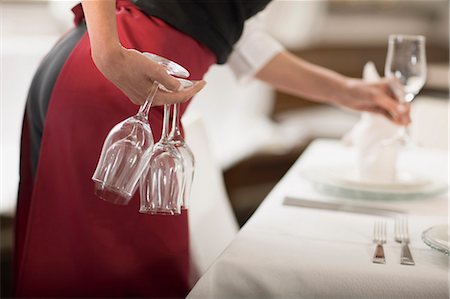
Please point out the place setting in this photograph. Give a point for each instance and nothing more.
(385, 162)
(378, 169)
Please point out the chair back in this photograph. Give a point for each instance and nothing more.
(212, 224)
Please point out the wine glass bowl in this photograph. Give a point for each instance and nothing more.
(406, 62)
(162, 181)
(177, 140)
(188, 166)
(124, 156)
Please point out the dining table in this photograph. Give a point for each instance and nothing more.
(293, 248)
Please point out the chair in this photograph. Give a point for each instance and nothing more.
(212, 223)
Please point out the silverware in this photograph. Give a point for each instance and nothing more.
(340, 207)
(402, 236)
(379, 238)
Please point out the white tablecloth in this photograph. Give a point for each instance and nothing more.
(293, 252)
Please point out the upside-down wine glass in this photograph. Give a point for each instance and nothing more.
(176, 138)
(162, 183)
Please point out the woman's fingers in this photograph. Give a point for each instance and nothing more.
(407, 113)
(387, 99)
(160, 75)
(164, 97)
(134, 74)
(390, 105)
(382, 112)
(388, 115)
(154, 71)
(395, 88)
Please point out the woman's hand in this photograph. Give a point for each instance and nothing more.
(375, 97)
(128, 69)
(295, 76)
(134, 74)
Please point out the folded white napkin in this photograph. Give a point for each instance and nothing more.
(375, 160)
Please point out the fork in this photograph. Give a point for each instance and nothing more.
(402, 236)
(379, 238)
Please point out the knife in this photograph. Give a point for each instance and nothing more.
(341, 207)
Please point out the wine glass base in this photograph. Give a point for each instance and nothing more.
(401, 140)
(158, 212)
(111, 196)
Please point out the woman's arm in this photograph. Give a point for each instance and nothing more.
(295, 76)
(101, 23)
(128, 69)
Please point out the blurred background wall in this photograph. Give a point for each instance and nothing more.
(256, 133)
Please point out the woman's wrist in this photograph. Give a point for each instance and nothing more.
(350, 91)
(102, 29)
(106, 53)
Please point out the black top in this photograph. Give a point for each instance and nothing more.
(218, 24)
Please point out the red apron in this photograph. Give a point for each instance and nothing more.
(69, 243)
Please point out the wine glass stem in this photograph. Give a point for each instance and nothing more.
(165, 129)
(175, 121)
(404, 131)
(145, 108)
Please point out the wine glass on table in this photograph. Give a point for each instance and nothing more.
(406, 63)
(127, 148)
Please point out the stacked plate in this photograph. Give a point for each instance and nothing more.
(344, 182)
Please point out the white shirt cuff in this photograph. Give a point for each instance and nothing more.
(253, 51)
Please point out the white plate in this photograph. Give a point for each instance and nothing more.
(437, 238)
(347, 177)
(341, 181)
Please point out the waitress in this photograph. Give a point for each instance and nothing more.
(68, 242)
